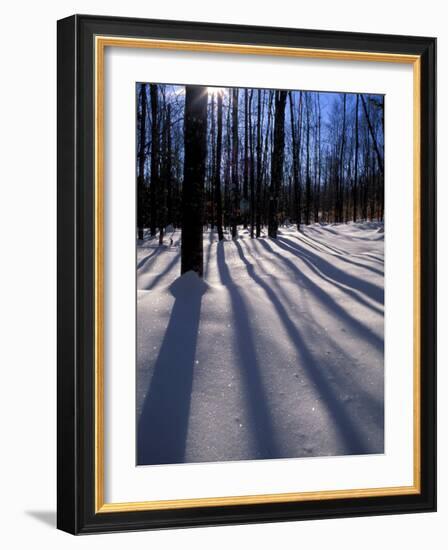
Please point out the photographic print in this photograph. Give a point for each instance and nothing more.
(260, 274)
(225, 194)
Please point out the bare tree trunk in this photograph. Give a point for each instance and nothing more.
(259, 172)
(340, 203)
(227, 204)
(194, 175)
(251, 169)
(213, 161)
(154, 157)
(295, 162)
(317, 163)
(235, 158)
(299, 161)
(163, 178)
(141, 165)
(278, 154)
(218, 197)
(366, 175)
(355, 181)
(169, 169)
(307, 177)
(246, 155)
(265, 160)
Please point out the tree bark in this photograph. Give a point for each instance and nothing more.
(213, 161)
(278, 153)
(355, 180)
(235, 158)
(251, 169)
(265, 162)
(295, 161)
(169, 169)
(194, 174)
(141, 165)
(318, 166)
(227, 202)
(218, 197)
(259, 172)
(163, 179)
(246, 154)
(154, 157)
(340, 204)
(307, 176)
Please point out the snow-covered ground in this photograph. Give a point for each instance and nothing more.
(277, 352)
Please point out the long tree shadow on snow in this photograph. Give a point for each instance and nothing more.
(343, 257)
(163, 273)
(263, 431)
(320, 245)
(374, 292)
(163, 423)
(146, 259)
(372, 406)
(351, 438)
(326, 300)
(353, 292)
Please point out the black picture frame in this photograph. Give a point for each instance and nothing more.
(76, 256)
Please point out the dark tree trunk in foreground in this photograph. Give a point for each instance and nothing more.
(259, 171)
(169, 169)
(317, 164)
(355, 181)
(340, 194)
(194, 175)
(278, 153)
(251, 170)
(235, 182)
(227, 204)
(295, 159)
(307, 176)
(264, 168)
(218, 197)
(246, 155)
(154, 157)
(141, 166)
(212, 162)
(163, 179)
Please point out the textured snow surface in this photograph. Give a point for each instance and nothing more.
(276, 353)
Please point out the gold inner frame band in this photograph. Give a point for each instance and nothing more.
(101, 42)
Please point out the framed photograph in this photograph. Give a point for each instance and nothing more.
(246, 274)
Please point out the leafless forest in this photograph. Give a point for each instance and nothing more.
(260, 262)
(225, 157)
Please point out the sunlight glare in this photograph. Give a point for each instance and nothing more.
(215, 90)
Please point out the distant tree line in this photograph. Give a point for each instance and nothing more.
(229, 157)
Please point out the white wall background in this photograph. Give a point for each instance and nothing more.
(28, 272)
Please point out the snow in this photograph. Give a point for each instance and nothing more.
(276, 353)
